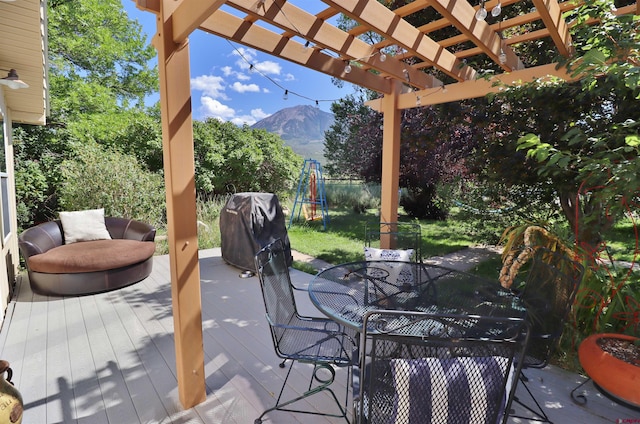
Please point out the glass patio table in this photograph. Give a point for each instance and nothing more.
(346, 292)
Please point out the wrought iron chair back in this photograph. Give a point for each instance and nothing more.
(427, 368)
(318, 341)
(404, 235)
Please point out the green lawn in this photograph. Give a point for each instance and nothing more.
(344, 238)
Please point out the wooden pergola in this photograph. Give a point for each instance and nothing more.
(400, 65)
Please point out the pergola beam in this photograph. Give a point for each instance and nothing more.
(225, 25)
(180, 188)
(474, 89)
(462, 16)
(189, 15)
(551, 16)
(327, 36)
(383, 21)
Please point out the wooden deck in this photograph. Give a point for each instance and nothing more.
(109, 358)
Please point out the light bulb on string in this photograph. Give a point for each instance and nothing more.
(497, 9)
(347, 68)
(481, 14)
(503, 57)
(286, 95)
(418, 101)
(383, 57)
(305, 47)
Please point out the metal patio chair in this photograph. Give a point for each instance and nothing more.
(548, 293)
(404, 235)
(317, 341)
(427, 368)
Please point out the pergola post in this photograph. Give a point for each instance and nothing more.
(390, 162)
(179, 170)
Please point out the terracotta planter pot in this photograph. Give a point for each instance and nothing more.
(614, 376)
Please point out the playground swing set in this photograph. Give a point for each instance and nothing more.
(311, 195)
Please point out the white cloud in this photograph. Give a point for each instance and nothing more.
(259, 114)
(244, 120)
(212, 108)
(289, 77)
(210, 86)
(268, 67)
(245, 88)
(227, 70)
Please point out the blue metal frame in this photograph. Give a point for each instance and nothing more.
(309, 166)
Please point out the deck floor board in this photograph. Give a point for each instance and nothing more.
(110, 357)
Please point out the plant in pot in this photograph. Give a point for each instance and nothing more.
(594, 163)
(612, 361)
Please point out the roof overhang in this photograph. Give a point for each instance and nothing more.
(23, 47)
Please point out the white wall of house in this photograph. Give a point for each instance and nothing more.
(9, 259)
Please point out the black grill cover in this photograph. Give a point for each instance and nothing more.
(248, 222)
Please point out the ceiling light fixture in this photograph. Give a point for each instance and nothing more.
(12, 80)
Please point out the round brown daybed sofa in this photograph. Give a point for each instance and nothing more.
(87, 267)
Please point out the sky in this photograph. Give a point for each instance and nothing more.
(224, 87)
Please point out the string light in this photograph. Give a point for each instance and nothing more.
(497, 9)
(253, 68)
(305, 47)
(286, 95)
(503, 57)
(383, 57)
(347, 67)
(481, 14)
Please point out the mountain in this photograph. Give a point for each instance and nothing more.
(301, 127)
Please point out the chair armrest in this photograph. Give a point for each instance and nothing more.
(41, 238)
(123, 228)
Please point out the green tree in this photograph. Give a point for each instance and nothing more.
(590, 151)
(582, 136)
(236, 159)
(99, 75)
(434, 143)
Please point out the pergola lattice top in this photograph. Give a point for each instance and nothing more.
(292, 30)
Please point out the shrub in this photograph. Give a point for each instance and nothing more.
(114, 181)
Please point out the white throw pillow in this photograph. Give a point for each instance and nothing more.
(84, 225)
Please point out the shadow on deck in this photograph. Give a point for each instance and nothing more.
(110, 357)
